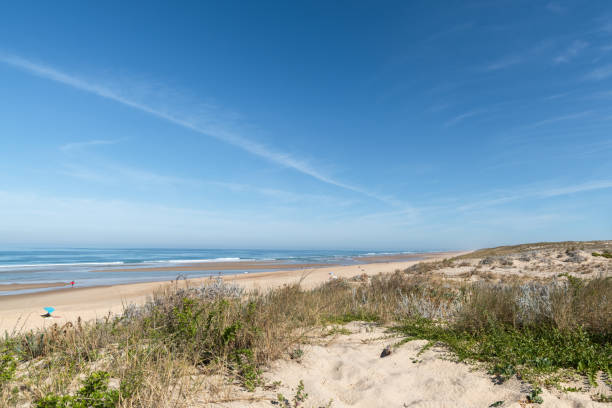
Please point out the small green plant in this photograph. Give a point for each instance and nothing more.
(296, 354)
(503, 372)
(298, 399)
(604, 254)
(338, 330)
(8, 365)
(534, 397)
(248, 373)
(93, 394)
(282, 401)
(329, 404)
(575, 283)
(496, 404)
(300, 396)
(602, 398)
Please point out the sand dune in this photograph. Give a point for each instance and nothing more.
(347, 371)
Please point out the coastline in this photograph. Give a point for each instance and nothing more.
(20, 312)
(241, 266)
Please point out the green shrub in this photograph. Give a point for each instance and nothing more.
(93, 394)
(529, 351)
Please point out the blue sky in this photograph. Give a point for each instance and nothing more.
(379, 125)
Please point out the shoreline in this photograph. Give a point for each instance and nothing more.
(246, 266)
(21, 312)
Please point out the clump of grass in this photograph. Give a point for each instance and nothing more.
(605, 254)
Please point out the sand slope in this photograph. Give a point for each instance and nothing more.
(348, 371)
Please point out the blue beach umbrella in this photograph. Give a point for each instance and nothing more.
(49, 311)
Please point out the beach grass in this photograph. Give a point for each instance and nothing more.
(212, 339)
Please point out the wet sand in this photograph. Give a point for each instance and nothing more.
(21, 286)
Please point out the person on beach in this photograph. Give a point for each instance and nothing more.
(72, 284)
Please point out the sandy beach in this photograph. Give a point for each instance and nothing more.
(22, 312)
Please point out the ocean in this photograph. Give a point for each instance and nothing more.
(95, 266)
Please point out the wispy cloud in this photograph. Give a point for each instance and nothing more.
(518, 57)
(184, 120)
(577, 188)
(459, 118)
(532, 192)
(141, 179)
(561, 118)
(281, 195)
(556, 96)
(111, 173)
(600, 73)
(86, 144)
(503, 63)
(571, 52)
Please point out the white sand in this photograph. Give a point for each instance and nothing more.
(349, 372)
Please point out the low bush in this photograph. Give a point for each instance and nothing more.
(94, 394)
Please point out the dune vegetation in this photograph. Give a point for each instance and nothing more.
(214, 338)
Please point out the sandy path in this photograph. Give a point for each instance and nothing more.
(348, 370)
(22, 312)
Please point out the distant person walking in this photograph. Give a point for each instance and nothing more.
(72, 284)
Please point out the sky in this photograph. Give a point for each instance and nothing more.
(274, 124)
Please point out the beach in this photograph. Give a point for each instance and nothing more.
(324, 343)
(22, 312)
